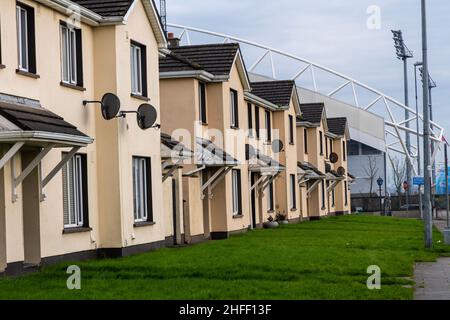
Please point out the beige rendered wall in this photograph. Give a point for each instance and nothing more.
(63, 101)
(288, 158)
(132, 140)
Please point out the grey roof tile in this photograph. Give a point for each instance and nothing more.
(276, 92)
(337, 126)
(312, 112)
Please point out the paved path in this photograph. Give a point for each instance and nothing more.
(432, 280)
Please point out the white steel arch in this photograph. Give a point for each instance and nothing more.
(395, 128)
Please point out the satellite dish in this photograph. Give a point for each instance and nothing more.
(327, 167)
(110, 106)
(146, 116)
(277, 146)
(341, 171)
(334, 157)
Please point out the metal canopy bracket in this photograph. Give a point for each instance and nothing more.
(333, 185)
(311, 189)
(172, 170)
(214, 180)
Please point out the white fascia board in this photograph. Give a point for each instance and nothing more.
(41, 136)
(242, 71)
(199, 74)
(307, 124)
(260, 101)
(64, 6)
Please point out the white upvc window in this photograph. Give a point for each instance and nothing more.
(136, 70)
(73, 192)
(140, 189)
(22, 37)
(236, 190)
(234, 109)
(68, 55)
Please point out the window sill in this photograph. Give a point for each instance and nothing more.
(293, 209)
(144, 224)
(27, 74)
(238, 216)
(292, 143)
(2, 66)
(76, 230)
(234, 128)
(72, 86)
(204, 123)
(270, 211)
(139, 97)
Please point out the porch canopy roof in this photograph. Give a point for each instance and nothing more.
(210, 155)
(173, 149)
(334, 176)
(24, 120)
(261, 163)
(309, 171)
(24, 123)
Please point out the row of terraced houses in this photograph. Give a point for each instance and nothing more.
(230, 153)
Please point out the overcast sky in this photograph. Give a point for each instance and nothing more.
(334, 33)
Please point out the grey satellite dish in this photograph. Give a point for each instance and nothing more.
(277, 146)
(147, 115)
(110, 106)
(327, 167)
(334, 157)
(341, 171)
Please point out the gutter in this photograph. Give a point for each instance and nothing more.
(42, 136)
(260, 101)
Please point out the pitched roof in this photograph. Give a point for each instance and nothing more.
(276, 92)
(106, 8)
(216, 59)
(337, 126)
(36, 119)
(312, 112)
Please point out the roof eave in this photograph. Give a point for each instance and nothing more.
(61, 139)
(198, 74)
(260, 101)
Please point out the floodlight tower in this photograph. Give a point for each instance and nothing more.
(403, 53)
(163, 14)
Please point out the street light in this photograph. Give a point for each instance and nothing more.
(380, 182)
(428, 225)
(403, 53)
(419, 166)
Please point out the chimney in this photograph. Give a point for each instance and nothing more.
(172, 41)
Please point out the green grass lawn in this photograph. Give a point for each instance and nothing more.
(326, 259)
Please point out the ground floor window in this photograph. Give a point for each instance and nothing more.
(293, 192)
(75, 195)
(270, 206)
(142, 189)
(346, 192)
(323, 195)
(333, 195)
(236, 188)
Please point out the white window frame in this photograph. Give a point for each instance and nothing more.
(68, 55)
(22, 13)
(235, 191)
(140, 189)
(136, 70)
(234, 108)
(74, 191)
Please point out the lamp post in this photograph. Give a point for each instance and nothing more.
(403, 53)
(428, 225)
(419, 166)
(380, 182)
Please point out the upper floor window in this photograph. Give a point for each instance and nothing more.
(331, 146)
(257, 124)
(321, 142)
(138, 69)
(26, 38)
(326, 147)
(75, 194)
(142, 189)
(268, 126)
(71, 55)
(236, 192)
(344, 150)
(250, 119)
(305, 140)
(234, 110)
(202, 102)
(291, 129)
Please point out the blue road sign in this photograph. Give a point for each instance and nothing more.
(418, 181)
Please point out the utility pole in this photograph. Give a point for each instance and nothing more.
(403, 53)
(419, 167)
(428, 225)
